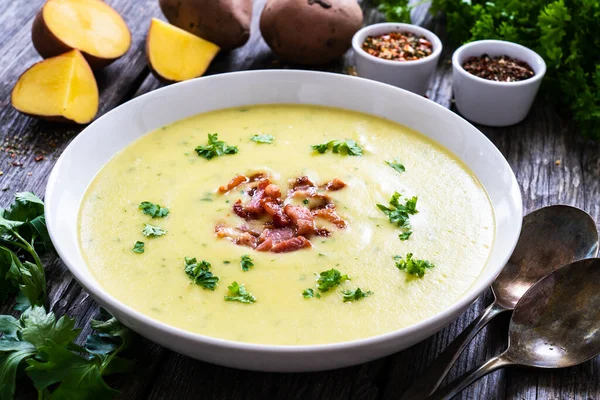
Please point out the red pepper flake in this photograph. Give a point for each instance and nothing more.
(39, 158)
(500, 69)
(398, 46)
(16, 164)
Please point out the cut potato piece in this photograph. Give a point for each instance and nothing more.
(61, 88)
(90, 26)
(176, 55)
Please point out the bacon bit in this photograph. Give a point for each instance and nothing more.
(271, 237)
(323, 232)
(302, 217)
(235, 182)
(293, 244)
(254, 206)
(273, 191)
(330, 215)
(238, 209)
(335, 185)
(258, 176)
(236, 235)
(16, 164)
(246, 239)
(302, 182)
(273, 208)
(39, 158)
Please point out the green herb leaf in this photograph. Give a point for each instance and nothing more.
(396, 166)
(355, 295)
(199, 273)
(266, 138)
(215, 148)
(238, 293)
(310, 293)
(399, 214)
(138, 247)
(153, 210)
(347, 147)
(152, 231)
(246, 262)
(330, 279)
(413, 267)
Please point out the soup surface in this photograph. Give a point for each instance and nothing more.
(453, 228)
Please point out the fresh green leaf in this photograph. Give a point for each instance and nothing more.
(152, 231)
(396, 166)
(199, 273)
(309, 293)
(30, 278)
(26, 207)
(411, 266)
(330, 279)
(399, 214)
(238, 293)
(215, 148)
(263, 138)
(37, 326)
(347, 147)
(405, 235)
(355, 295)
(138, 247)
(10, 359)
(153, 210)
(246, 262)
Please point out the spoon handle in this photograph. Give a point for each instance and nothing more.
(461, 383)
(431, 379)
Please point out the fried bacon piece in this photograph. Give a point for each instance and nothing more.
(330, 215)
(271, 237)
(274, 209)
(254, 206)
(297, 243)
(334, 185)
(302, 217)
(238, 209)
(236, 235)
(273, 191)
(235, 182)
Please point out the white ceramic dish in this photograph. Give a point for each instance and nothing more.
(410, 75)
(89, 151)
(495, 103)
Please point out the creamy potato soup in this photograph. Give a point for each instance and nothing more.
(292, 225)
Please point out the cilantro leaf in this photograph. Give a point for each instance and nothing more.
(199, 273)
(347, 147)
(309, 293)
(264, 138)
(138, 247)
(215, 148)
(239, 293)
(399, 214)
(329, 279)
(246, 262)
(413, 267)
(355, 295)
(396, 165)
(12, 354)
(152, 231)
(153, 210)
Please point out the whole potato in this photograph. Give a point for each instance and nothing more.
(310, 31)
(225, 23)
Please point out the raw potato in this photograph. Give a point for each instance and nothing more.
(61, 88)
(176, 55)
(90, 26)
(225, 23)
(310, 31)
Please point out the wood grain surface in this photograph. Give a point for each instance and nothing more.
(552, 164)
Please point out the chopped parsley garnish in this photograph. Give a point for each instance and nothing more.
(347, 146)
(396, 165)
(399, 214)
(215, 147)
(355, 295)
(266, 138)
(199, 273)
(305, 201)
(246, 262)
(152, 231)
(310, 293)
(138, 247)
(153, 210)
(413, 267)
(329, 279)
(240, 294)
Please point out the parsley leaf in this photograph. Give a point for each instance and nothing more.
(152, 231)
(355, 295)
(199, 273)
(239, 293)
(153, 210)
(399, 214)
(138, 247)
(266, 138)
(396, 165)
(246, 262)
(413, 267)
(215, 148)
(329, 279)
(309, 293)
(347, 146)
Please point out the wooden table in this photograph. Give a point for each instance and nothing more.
(552, 163)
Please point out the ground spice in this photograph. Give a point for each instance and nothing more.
(501, 68)
(398, 46)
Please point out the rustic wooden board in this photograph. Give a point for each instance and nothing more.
(532, 149)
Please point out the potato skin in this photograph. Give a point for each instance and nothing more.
(225, 23)
(310, 32)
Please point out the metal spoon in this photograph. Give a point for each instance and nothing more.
(550, 237)
(554, 325)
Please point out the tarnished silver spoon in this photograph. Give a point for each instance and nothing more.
(554, 325)
(550, 237)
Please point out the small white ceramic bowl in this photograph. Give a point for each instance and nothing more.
(494, 103)
(410, 75)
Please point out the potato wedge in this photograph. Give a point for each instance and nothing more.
(61, 88)
(90, 26)
(176, 55)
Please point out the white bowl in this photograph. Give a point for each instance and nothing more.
(494, 103)
(410, 75)
(93, 147)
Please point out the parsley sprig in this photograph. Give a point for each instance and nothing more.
(239, 293)
(399, 214)
(199, 273)
(412, 266)
(330, 279)
(355, 295)
(215, 148)
(246, 262)
(263, 138)
(138, 247)
(310, 293)
(152, 231)
(395, 164)
(347, 147)
(153, 210)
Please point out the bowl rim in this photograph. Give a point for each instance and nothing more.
(100, 295)
(491, 44)
(435, 41)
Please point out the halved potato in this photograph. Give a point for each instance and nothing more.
(61, 88)
(90, 26)
(176, 55)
